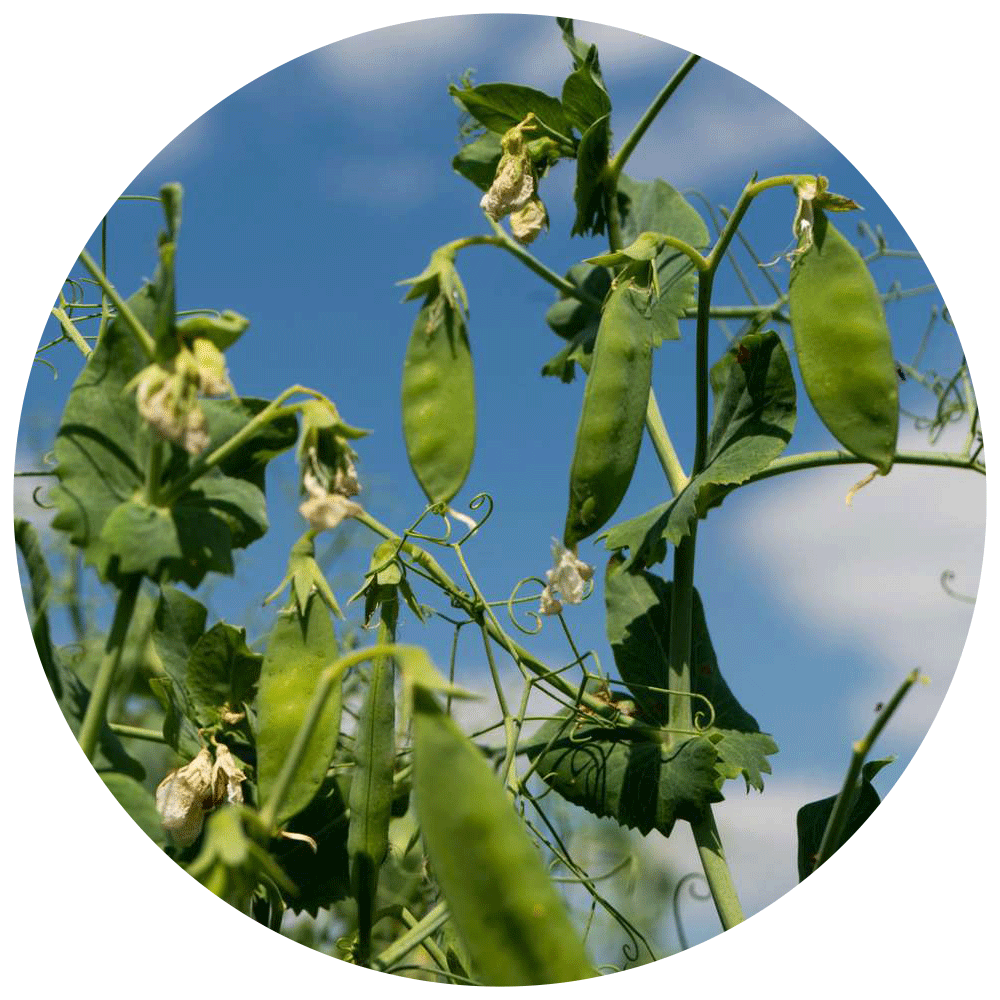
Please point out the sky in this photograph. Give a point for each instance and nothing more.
(312, 191)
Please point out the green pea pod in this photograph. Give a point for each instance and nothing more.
(843, 345)
(614, 411)
(371, 787)
(439, 401)
(508, 913)
(298, 650)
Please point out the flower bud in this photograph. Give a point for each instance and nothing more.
(527, 222)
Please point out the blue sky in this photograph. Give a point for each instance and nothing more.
(309, 193)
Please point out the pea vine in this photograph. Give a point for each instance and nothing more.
(280, 773)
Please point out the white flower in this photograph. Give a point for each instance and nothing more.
(527, 222)
(210, 366)
(566, 579)
(168, 404)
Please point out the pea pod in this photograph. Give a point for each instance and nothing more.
(508, 913)
(439, 401)
(613, 415)
(298, 650)
(371, 786)
(843, 345)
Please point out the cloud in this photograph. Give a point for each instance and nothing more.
(867, 577)
(387, 59)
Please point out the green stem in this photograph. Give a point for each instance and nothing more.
(270, 412)
(97, 706)
(505, 242)
(628, 146)
(818, 459)
(69, 328)
(705, 281)
(750, 192)
(679, 669)
(472, 606)
(713, 861)
(135, 733)
(432, 921)
(837, 823)
(130, 318)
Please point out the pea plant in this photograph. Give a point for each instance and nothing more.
(326, 785)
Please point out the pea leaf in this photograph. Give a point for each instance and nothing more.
(138, 803)
(812, 818)
(501, 106)
(591, 159)
(478, 160)
(584, 96)
(583, 53)
(654, 206)
(321, 877)
(643, 784)
(222, 671)
(753, 422)
(638, 629)
(102, 451)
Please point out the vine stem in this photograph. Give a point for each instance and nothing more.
(69, 328)
(130, 318)
(713, 861)
(271, 412)
(847, 797)
(819, 459)
(97, 706)
(628, 146)
(417, 934)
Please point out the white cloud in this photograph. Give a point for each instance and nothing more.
(380, 61)
(867, 577)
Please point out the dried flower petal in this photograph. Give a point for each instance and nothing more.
(550, 604)
(568, 576)
(227, 768)
(527, 222)
(184, 795)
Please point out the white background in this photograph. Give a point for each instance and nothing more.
(94, 907)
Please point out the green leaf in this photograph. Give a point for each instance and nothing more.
(222, 330)
(813, 817)
(654, 206)
(102, 451)
(583, 53)
(222, 671)
(639, 782)
(138, 803)
(638, 629)
(753, 422)
(588, 195)
(179, 726)
(321, 877)
(501, 106)
(478, 160)
(584, 98)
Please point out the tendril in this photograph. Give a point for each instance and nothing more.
(477, 501)
(514, 599)
(39, 503)
(48, 364)
(946, 577)
(688, 881)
